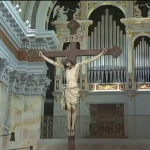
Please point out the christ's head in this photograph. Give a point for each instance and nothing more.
(68, 63)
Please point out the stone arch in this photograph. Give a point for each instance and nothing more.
(41, 14)
(103, 4)
(141, 54)
(138, 35)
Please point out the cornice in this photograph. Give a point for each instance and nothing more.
(21, 66)
(27, 78)
(21, 36)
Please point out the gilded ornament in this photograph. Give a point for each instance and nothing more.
(91, 87)
(83, 97)
(106, 3)
(130, 33)
(143, 86)
(106, 87)
(123, 3)
(121, 86)
(59, 35)
(131, 96)
(90, 5)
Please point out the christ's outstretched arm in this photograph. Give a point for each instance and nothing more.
(51, 61)
(93, 58)
(147, 5)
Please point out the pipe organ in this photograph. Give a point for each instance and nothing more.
(107, 69)
(141, 61)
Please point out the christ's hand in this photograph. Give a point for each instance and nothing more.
(40, 54)
(104, 51)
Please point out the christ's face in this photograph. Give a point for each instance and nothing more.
(69, 65)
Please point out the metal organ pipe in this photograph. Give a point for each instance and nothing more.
(107, 34)
(142, 55)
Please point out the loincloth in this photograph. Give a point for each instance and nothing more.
(70, 97)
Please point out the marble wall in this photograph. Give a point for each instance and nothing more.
(3, 105)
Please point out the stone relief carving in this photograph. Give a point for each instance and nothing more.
(76, 13)
(22, 83)
(5, 70)
(137, 11)
(29, 84)
(60, 13)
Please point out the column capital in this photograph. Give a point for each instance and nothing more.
(5, 70)
(28, 84)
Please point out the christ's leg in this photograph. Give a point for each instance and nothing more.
(69, 119)
(74, 115)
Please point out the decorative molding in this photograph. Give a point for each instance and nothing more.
(23, 66)
(95, 87)
(135, 21)
(96, 4)
(143, 86)
(5, 70)
(131, 96)
(123, 3)
(28, 84)
(130, 33)
(22, 77)
(22, 82)
(22, 37)
(90, 5)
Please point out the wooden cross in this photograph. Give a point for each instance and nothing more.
(73, 25)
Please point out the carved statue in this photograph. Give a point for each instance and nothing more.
(70, 96)
(75, 15)
(137, 11)
(60, 13)
(148, 13)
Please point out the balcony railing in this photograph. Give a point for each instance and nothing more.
(97, 127)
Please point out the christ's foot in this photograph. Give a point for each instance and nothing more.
(72, 133)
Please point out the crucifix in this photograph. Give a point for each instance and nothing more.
(70, 94)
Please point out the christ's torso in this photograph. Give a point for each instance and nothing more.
(72, 76)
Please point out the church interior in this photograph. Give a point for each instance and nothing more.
(113, 112)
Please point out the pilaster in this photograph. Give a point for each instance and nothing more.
(27, 95)
(130, 57)
(4, 83)
(84, 45)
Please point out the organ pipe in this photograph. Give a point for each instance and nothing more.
(107, 34)
(141, 65)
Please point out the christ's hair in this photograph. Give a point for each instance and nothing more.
(68, 59)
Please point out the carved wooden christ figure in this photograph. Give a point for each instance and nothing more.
(71, 94)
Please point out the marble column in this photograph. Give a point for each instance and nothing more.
(4, 83)
(27, 95)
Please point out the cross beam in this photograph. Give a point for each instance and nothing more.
(73, 25)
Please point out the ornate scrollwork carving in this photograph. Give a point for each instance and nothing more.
(90, 5)
(143, 86)
(5, 70)
(24, 83)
